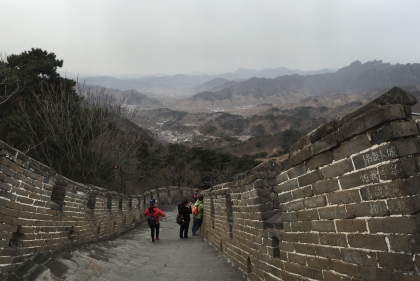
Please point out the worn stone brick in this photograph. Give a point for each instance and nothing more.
(337, 169)
(301, 226)
(289, 217)
(330, 213)
(307, 215)
(313, 273)
(353, 146)
(310, 238)
(391, 189)
(302, 192)
(297, 171)
(394, 130)
(320, 160)
(305, 249)
(325, 186)
(329, 276)
(324, 144)
(393, 225)
(395, 261)
(359, 178)
(295, 206)
(320, 263)
(309, 178)
(372, 118)
(314, 202)
(333, 239)
(372, 274)
(405, 243)
(282, 178)
(286, 186)
(397, 170)
(405, 206)
(323, 226)
(351, 225)
(367, 241)
(327, 252)
(345, 268)
(300, 143)
(296, 258)
(359, 257)
(299, 156)
(343, 197)
(285, 197)
(367, 209)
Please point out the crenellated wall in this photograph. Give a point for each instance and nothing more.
(42, 211)
(344, 205)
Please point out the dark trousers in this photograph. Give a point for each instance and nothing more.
(152, 230)
(183, 231)
(196, 224)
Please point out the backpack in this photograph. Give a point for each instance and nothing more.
(179, 219)
(151, 220)
(195, 211)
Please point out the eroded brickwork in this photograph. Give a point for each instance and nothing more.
(344, 205)
(43, 211)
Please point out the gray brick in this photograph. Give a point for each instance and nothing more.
(314, 202)
(343, 197)
(393, 225)
(297, 171)
(351, 225)
(359, 257)
(320, 160)
(323, 226)
(307, 215)
(367, 241)
(330, 213)
(394, 130)
(364, 177)
(302, 192)
(402, 168)
(286, 186)
(373, 118)
(309, 178)
(300, 155)
(331, 239)
(337, 169)
(353, 146)
(325, 186)
(324, 144)
(367, 209)
(396, 261)
(405, 243)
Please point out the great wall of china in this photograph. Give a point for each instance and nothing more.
(343, 206)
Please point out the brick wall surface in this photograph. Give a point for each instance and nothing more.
(43, 211)
(344, 205)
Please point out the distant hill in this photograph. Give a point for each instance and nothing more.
(181, 85)
(356, 77)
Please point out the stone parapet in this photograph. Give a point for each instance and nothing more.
(344, 206)
(42, 211)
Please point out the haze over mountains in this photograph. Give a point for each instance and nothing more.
(251, 87)
(252, 111)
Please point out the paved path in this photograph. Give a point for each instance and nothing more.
(133, 257)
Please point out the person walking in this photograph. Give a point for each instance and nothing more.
(184, 209)
(153, 213)
(195, 195)
(198, 219)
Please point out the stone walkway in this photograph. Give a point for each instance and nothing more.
(133, 257)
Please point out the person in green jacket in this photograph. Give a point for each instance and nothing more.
(197, 220)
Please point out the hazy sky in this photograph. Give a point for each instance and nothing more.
(181, 36)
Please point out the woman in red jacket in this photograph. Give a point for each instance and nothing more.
(153, 213)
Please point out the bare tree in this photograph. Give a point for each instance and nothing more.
(87, 137)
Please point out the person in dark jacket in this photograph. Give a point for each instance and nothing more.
(154, 212)
(184, 209)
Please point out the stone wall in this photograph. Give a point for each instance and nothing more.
(42, 211)
(344, 205)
